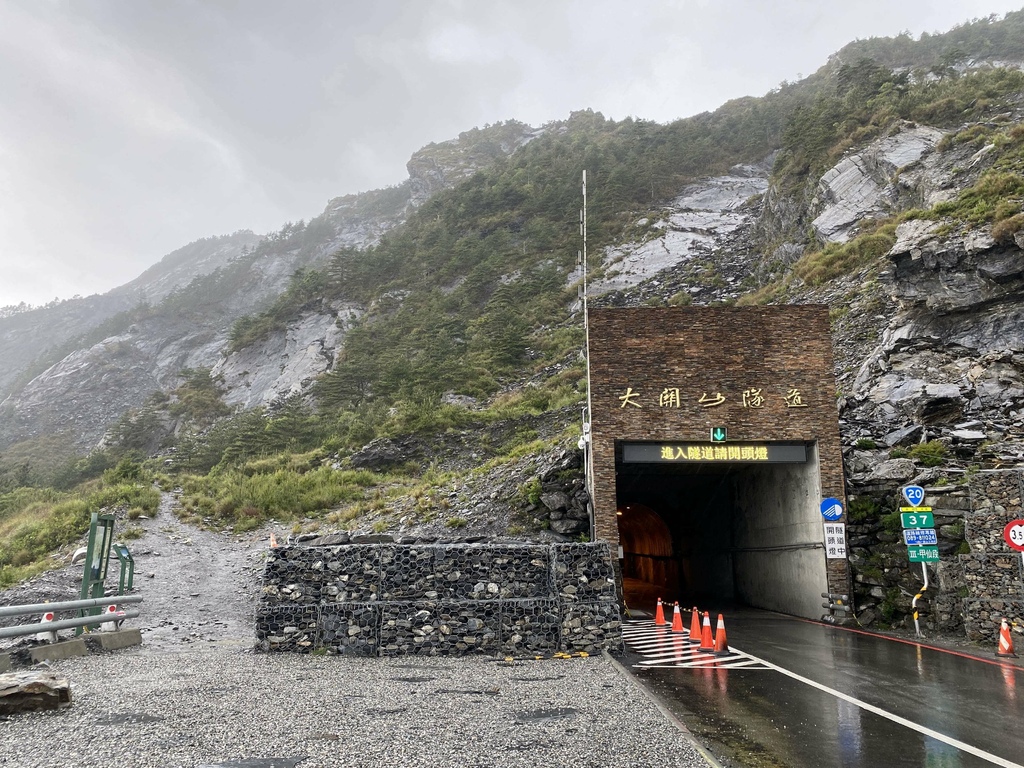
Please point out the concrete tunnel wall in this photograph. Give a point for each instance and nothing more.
(779, 558)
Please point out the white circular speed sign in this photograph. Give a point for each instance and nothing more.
(1014, 534)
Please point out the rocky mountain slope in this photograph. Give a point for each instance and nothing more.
(178, 314)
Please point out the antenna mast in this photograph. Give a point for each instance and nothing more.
(585, 442)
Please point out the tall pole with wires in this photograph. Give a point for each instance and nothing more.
(585, 443)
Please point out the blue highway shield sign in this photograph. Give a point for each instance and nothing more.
(914, 494)
(915, 537)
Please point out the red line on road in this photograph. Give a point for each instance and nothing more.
(939, 648)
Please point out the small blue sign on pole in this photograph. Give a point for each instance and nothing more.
(914, 494)
(918, 537)
(831, 509)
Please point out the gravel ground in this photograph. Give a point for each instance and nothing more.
(233, 708)
(196, 695)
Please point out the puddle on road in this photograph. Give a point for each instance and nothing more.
(258, 762)
(545, 715)
(128, 718)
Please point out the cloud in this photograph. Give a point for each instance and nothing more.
(131, 127)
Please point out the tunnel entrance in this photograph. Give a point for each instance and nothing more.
(711, 439)
(720, 532)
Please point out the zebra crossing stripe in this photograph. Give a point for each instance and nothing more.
(667, 649)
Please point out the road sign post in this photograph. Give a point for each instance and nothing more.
(919, 532)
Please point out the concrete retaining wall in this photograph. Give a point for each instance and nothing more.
(439, 599)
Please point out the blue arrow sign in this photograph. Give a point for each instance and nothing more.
(831, 509)
(914, 494)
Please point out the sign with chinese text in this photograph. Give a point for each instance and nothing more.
(694, 453)
(674, 398)
(923, 554)
(835, 540)
(918, 520)
(914, 537)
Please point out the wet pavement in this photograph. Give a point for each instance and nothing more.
(827, 696)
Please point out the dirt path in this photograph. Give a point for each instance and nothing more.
(199, 587)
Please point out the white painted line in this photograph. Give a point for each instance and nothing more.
(994, 759)
(745, 664)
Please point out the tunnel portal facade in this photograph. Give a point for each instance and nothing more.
(714, 440)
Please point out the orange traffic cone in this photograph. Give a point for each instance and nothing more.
(721, 644)
(659, 615)
(695, 626)
(677, 619)
(706, 641)
(1005, 641)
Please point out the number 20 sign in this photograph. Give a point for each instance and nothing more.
(1014, 534)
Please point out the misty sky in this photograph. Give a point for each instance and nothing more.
(129, 128)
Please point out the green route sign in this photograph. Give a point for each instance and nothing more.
(923, 554)
(918, 520)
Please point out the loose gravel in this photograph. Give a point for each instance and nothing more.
(196, 694)
(234, 708)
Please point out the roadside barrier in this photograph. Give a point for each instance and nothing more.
(695, 626)
(53, 624)
(659, 614)
(677, 619)
(721, 644)
(707, 642)
(1005, 641)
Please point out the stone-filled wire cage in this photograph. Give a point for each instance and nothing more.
(439, 599)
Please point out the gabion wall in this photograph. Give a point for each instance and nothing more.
(437, 599)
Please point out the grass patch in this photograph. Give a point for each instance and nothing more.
(243, 500)
(35, 522)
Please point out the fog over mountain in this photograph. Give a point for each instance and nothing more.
(129, 129)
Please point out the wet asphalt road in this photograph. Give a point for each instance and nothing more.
(763, 717)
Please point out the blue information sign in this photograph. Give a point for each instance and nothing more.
(914, 494)
(915, 537)
(831, 509)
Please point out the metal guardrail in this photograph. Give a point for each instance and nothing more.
(69, 605)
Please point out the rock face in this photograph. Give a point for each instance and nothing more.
(865, 185)
(83, 392)
(287, 362)
(693, 225)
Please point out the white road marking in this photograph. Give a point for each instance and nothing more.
(994, 759)
(666, 649)
(663, 648)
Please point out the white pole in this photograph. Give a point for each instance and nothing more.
(588, 454)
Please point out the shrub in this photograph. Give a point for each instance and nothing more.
(930, 454)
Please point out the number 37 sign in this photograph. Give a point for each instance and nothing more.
(1014, 534)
